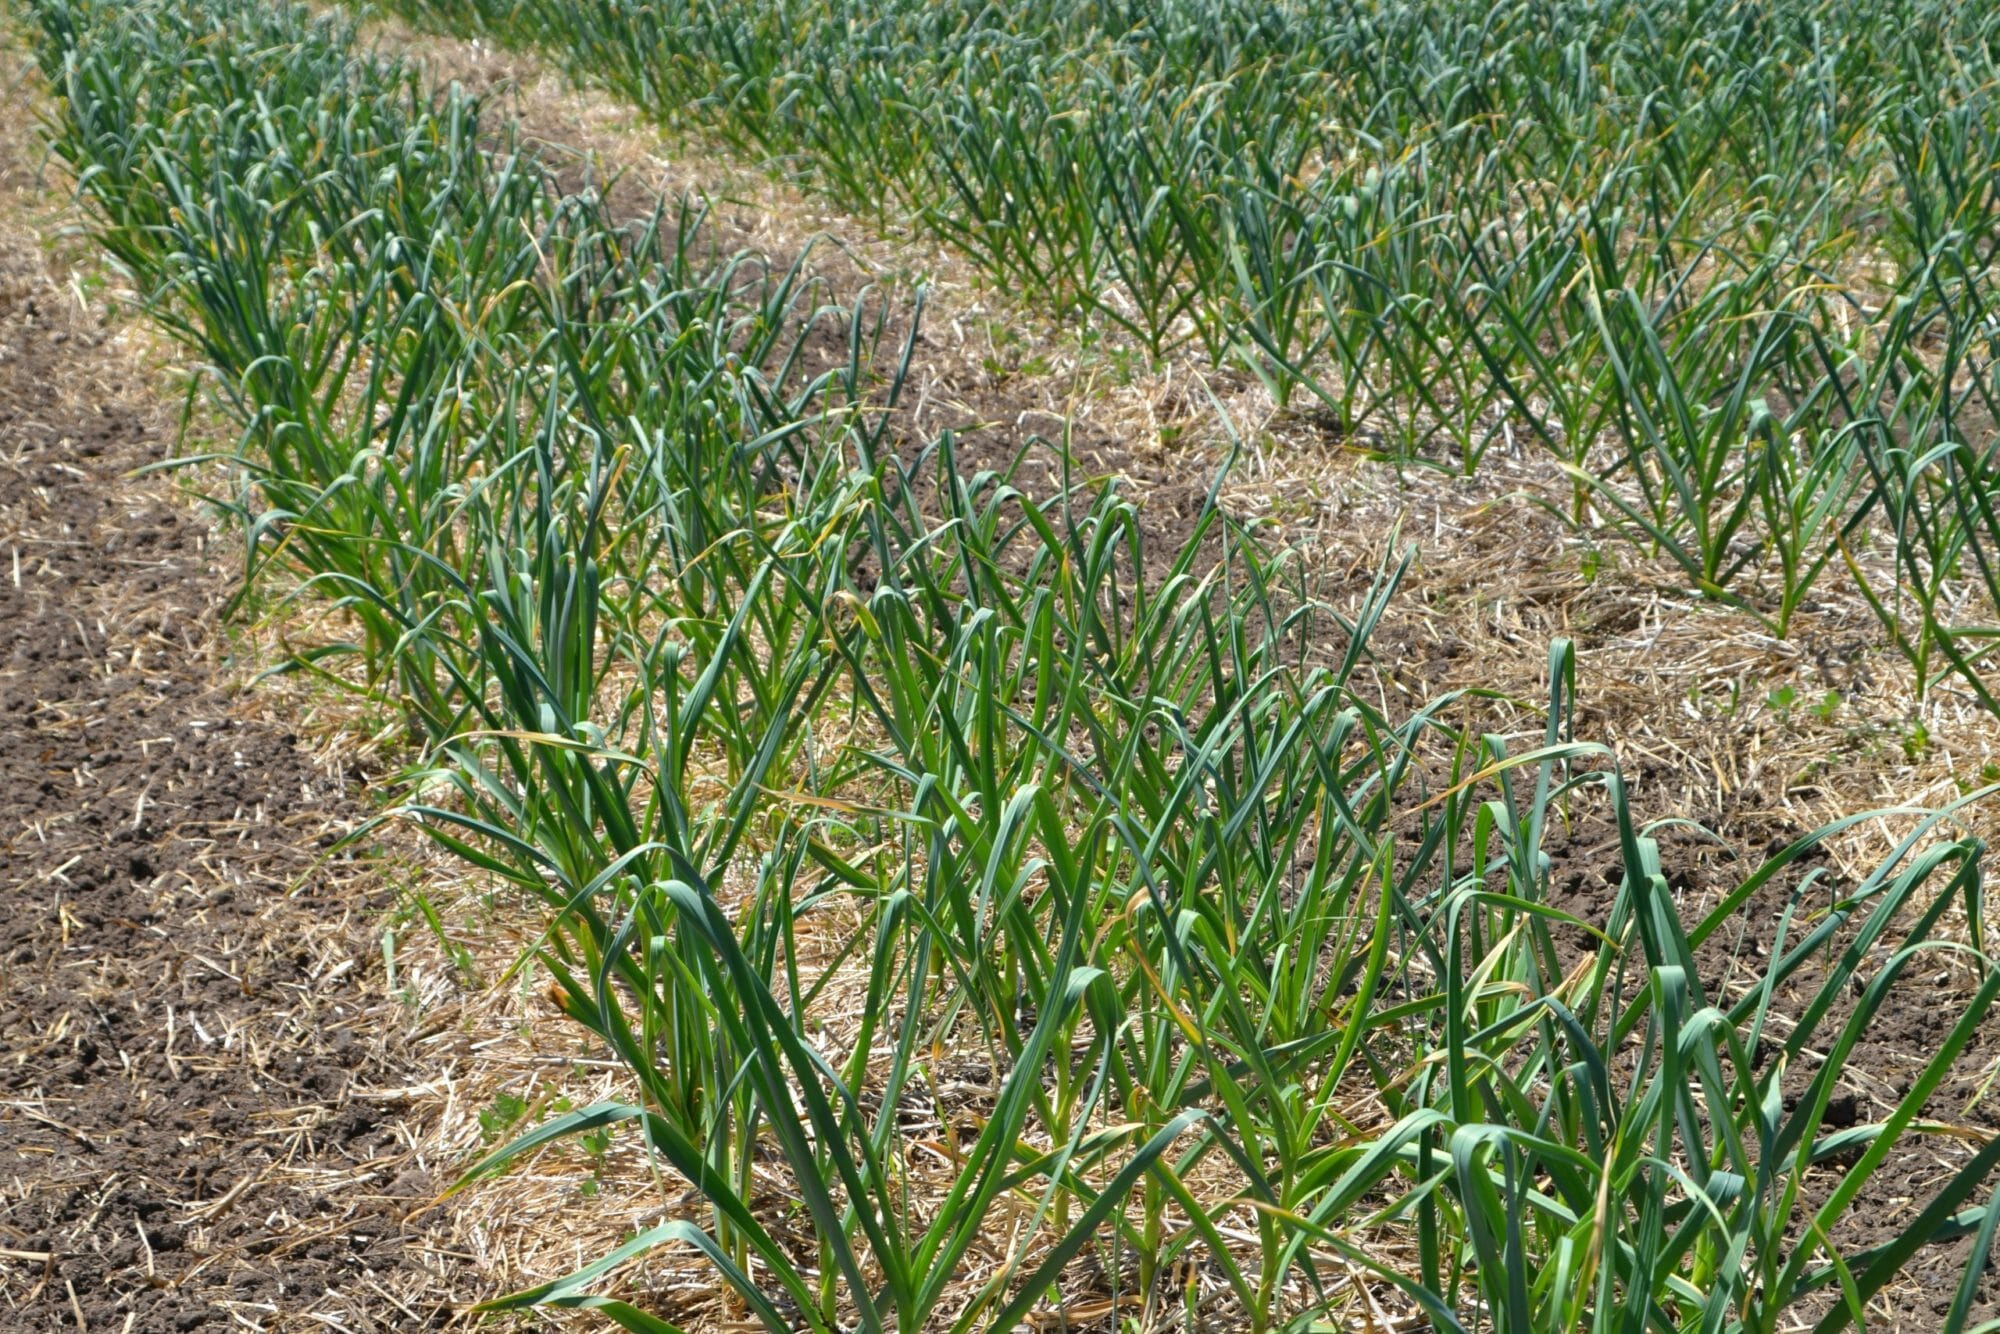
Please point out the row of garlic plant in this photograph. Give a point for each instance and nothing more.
(1728, 264)
(831, 764)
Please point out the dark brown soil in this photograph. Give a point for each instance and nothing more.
(180, 1144)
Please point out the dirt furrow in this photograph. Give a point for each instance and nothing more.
(191, 999)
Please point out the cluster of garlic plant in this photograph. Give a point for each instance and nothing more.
(829, 762)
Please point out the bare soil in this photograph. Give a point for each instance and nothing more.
(186, 1141)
